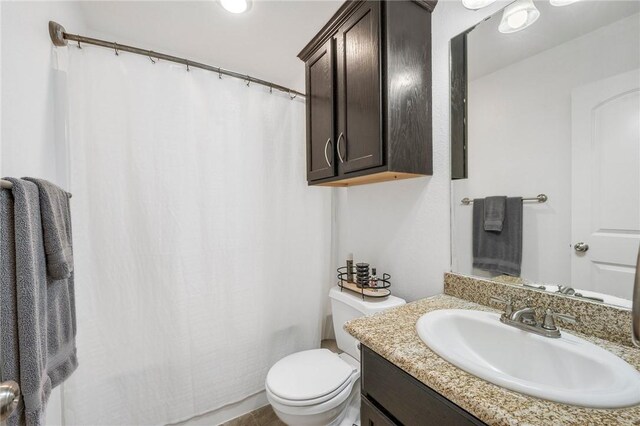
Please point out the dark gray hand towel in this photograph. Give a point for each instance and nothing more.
(499, 252)
(44, 308)
(56, 227)
(494, 208)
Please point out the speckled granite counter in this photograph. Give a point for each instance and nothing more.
(392, 334)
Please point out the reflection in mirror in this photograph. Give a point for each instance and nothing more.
(551, 109)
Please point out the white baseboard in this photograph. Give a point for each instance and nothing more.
(228, 412)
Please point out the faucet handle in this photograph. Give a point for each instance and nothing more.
(508, 304)
(549, 324)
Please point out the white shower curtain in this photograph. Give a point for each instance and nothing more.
(202, 256)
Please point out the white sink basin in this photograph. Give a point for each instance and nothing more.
(569, 370)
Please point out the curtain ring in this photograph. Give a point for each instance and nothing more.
(294, 95)
(248, 81)
(270, 89)
(79, 46)
(150, 58)
(115, 48)
(187, 62)
(219, 73)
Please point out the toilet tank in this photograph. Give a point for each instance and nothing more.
(346, 305)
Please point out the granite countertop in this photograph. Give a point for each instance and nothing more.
(392, 334)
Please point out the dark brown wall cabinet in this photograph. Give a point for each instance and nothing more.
(368, 84)
(390, 396)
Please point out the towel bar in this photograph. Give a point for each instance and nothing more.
(541, 198)
(5, 184)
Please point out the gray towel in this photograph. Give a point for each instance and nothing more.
(498, 251)
(494, 208)
(56, 227)
(9, 352)
(44, 353)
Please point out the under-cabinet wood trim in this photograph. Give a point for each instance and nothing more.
(371, 178)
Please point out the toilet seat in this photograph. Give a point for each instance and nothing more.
(330, 407)
(311, 378)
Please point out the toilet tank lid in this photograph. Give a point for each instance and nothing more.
(368, 306)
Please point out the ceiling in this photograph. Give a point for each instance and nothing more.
(489, 50)
(262, 42)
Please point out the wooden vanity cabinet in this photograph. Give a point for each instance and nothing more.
(368, 86)
(390, 396)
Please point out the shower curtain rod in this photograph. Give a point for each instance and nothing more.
(60, 37)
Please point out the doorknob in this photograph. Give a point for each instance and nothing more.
(581, 247)
(9, 398)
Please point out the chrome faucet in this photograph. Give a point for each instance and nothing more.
(565, 289)
(525, 319)
(525, 315)
(562, 289)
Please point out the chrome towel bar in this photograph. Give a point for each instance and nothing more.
(5, 184)
(541, 198)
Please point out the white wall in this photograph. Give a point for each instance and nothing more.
(403, 227)
(520, 142)
(28, 133)
(29, 129)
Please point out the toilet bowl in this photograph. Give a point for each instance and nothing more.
(313, 387)
(318, 387)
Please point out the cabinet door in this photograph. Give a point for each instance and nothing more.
(359, 143)
(319, 71)
(371, 416)
(405, 399)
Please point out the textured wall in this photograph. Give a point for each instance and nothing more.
(30, 129)
(403, 228)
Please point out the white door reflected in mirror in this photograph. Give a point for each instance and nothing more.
(605, 148)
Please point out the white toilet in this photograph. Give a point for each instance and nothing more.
(319, 387)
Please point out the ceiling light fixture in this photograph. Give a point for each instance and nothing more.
(235, 6)
(477, 4)
(562, 2)
(518, 16)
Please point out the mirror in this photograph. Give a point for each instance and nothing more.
(553, 109)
